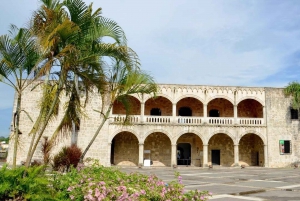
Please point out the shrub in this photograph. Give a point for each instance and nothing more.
(67, 157)
(25, 184)
(100, 183)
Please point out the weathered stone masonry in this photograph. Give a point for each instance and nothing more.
(185, 125)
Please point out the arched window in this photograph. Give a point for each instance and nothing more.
(155, 112)
(214, 113)
(185, 111)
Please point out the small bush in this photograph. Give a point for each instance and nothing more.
(67, 157)
(25, 184)
(101, 183)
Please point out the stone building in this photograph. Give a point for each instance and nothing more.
(186, 125)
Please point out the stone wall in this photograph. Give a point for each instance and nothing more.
(281, 127)
(160, 102)
(195, 105)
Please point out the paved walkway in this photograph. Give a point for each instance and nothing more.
(235, 184)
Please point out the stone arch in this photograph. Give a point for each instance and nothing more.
(175, 139)
(118, 107)
(162, 95)
(124, 149)
(111, 137)
(232, 137)
(251, 150)
(189, 96)
(159, 145)
(221, 149)
(262, 137)
(250, 97)
(220, 96)
(156, 131)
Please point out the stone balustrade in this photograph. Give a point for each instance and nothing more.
(187, 120)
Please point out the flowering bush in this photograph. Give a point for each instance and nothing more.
(100, 183)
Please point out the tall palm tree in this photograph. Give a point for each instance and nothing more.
(71, 35)
(18, 58)
(293, 89)
(121, 82)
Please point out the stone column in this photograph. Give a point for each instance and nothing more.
(205, 155)
(174, 112)
(236, 155)
(264, 115)
(142, 112)
(141, 154)
(235, 114)
(266, 156)
(205, 113)
(173, 154)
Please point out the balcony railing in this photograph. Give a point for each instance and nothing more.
(187, 120)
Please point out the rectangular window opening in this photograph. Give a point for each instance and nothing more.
(285, 147)
(294, 113)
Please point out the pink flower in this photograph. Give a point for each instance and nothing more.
(70, 189)
(72, 197)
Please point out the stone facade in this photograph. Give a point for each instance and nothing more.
(185, 125)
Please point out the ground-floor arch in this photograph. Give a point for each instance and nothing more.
(159, 145)
(125, 149)
(189, 150)
(251, 150)
(220, 150)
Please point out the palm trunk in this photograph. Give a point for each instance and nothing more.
(17, 130)
(96, 133)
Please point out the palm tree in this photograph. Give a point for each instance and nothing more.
(293, 89)
(18, 58)
(121, 82)
(71, 37)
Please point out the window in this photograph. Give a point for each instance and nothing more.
(185, 111)
(285, 146)
(214, 113)
(294, 113)
(155, 112)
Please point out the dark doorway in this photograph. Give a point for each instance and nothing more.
(185, 111)
(214, 113)
(184, 154)
(112, 152)
(255, 158)
(155, 112)
(215, 157)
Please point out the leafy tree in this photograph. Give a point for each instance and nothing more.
(71, 35)
(18, 57)
(121, 82)
(293, 89)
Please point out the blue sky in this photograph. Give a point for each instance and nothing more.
(216, 42)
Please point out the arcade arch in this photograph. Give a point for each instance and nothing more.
(159, 145)
(250, 108)
(134, 104)
(124, 149)
(222, 106)
(251, 150)
(160, 103)
(221, 150)
(189, 106)
(189, 150)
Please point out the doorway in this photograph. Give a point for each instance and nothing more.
(184, 154)
(185, 112)
(214, 113)
(215, 157)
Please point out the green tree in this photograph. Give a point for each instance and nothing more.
(121, 82)
(18, 58)
(293, 89)
(71, 36)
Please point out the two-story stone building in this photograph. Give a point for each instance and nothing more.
(187, 125)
